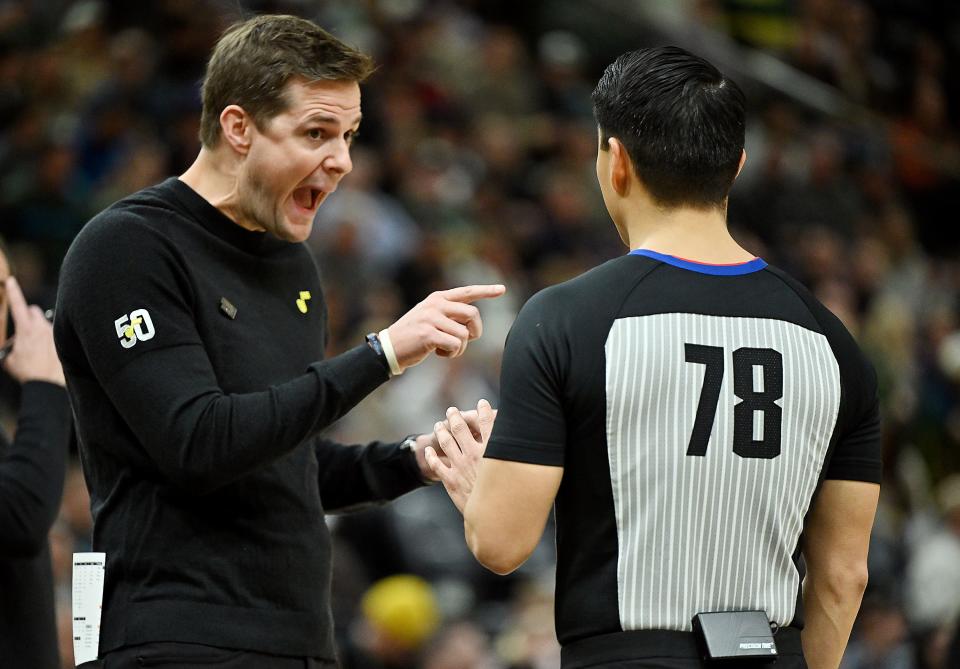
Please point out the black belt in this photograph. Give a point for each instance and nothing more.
(638, 644)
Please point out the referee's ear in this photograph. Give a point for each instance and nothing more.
(743, 159)
(236, 127)
(621, 169)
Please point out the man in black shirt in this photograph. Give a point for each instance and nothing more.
(192, 329)
(31, 483)
(700, 420)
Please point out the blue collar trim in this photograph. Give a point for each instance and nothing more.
(748, 267)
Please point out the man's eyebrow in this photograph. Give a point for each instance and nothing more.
(323, 118)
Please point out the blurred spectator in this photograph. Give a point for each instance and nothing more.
(528, 640)
(933, 575)
(399, 616)
(882, 640)
(953, 652)
(460, 646)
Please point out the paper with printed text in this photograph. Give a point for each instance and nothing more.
(88, 571)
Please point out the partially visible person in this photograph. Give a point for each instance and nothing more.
(933, 573)
(400, 615)
(461, 645)
(882, 640)
(32, 469)
(953, 651)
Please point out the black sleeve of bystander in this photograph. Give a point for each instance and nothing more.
(32, 470)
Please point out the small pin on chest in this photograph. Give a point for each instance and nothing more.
(227, 308)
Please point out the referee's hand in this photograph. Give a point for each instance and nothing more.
(462, 451)
(444, 322)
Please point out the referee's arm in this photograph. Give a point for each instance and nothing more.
(505, 503)
(836, 540)
(518, 478)
(836, 533)
(507, 511)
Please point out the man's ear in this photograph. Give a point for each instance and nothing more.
(236, 128)
(620, 168)
(743, 159)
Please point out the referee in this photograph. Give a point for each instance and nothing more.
(708, 431)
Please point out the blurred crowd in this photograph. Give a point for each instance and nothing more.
(476, 165)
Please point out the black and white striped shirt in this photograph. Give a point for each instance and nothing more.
(695, 410)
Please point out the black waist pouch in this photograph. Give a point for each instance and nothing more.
(735, 638)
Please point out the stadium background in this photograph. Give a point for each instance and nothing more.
(475, 164)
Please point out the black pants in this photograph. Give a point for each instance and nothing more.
(784, 662)
(197, 656)
(661, 649)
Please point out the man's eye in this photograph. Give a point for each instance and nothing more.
(351, 137)
(315, 133)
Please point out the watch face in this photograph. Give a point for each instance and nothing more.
(373, 341)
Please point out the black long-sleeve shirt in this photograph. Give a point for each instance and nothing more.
(193, 351)
(31, 484)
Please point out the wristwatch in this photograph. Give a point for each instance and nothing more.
(409, 444)
(373, 341)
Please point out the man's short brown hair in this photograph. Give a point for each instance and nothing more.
(254, 59)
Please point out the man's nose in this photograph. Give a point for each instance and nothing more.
(339, 161)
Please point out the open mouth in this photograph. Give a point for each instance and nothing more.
(308, 198)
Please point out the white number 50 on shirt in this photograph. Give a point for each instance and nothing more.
(138, 326)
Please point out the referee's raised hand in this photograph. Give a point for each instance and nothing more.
(444, 322)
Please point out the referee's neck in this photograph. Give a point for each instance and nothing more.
(686, 232)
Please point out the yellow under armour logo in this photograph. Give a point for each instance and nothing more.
(129, 332)
(302, 301)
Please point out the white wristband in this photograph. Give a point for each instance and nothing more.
(388, 351)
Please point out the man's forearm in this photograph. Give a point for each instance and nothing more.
(829, 613)
(354, 476)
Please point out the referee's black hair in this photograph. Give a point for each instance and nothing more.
(679, 118)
